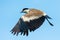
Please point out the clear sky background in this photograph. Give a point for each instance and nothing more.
(10, 14)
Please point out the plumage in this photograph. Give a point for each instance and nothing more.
(34, 12)
(32, 20)
(34, 24)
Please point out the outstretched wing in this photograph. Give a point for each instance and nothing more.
(20, 27)
(23, 27)
(34, 24)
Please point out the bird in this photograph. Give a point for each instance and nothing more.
(30, 21)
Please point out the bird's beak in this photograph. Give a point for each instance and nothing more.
(21, 12)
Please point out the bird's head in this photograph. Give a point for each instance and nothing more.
(25, 10)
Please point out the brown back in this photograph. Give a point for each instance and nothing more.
(34, 12)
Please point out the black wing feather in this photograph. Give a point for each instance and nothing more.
(34, 24)
(20, 27)
(23, 27)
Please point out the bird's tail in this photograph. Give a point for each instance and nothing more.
(47, 17)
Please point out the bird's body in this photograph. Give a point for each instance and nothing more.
(33, 14)
(32, 20)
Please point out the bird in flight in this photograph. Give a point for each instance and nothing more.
(30, 21)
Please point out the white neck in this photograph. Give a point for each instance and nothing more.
(26, 11)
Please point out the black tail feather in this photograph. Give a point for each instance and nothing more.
(47, 17)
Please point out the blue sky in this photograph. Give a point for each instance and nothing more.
(10, 14)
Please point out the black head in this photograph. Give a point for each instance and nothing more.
(24, 10)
